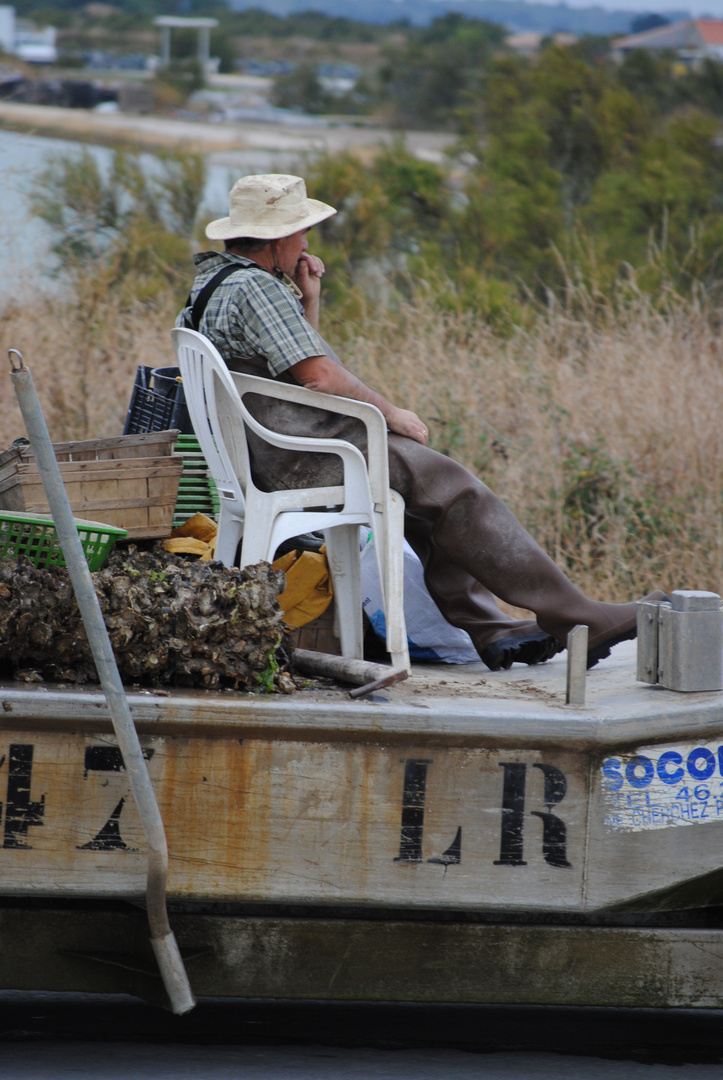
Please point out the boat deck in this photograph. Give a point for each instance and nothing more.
(462, 703)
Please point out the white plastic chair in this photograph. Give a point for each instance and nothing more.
(262, 520)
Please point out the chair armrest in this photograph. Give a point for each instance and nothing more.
(370, 416)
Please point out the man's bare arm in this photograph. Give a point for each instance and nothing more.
(327, 377)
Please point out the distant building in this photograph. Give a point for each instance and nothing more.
(529, 42)
(691, 40)
(166, 23)
(20, 38)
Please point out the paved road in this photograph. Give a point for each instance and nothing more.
(64, 1037)
(114, 1062)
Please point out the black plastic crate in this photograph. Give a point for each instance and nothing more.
(157, 403)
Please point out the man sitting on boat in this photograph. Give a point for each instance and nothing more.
(258, 302)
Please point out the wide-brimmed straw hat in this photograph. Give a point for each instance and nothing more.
(268, 207)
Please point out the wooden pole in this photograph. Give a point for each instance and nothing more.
(342, 668)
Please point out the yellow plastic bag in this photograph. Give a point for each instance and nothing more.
(308, 590)
(197, 536)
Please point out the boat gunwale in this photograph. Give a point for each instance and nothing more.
(488, 723)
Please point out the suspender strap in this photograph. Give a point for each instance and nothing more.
(201, 301)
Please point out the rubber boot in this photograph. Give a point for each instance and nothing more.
(521, 573)
(500, 640)
(469, 525)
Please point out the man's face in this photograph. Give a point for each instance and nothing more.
(289, 250)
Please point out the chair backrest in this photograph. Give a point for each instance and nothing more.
(222, 421)
(205, 376)
(377, 466)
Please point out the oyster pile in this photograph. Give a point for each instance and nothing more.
(172, 621)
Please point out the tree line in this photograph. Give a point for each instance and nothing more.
(564, 168)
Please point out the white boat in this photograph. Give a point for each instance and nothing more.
(462, 836)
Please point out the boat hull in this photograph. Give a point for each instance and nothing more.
(338, 804)
(502, 849)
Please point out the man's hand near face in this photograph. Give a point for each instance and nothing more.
(307, 276)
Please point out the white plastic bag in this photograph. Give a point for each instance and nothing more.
(429, 634)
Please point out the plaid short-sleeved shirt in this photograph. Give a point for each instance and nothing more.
(253, 315)
(258, 325)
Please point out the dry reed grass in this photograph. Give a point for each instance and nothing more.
(601, 430)
(83, 356)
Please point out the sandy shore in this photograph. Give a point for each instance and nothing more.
(226, 139)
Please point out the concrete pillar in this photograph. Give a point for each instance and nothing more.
(204, 45)
(165, 46)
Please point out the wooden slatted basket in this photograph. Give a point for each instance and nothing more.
(129, 481)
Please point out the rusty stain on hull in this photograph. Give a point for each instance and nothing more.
(296, 822)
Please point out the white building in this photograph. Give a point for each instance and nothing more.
(691, 40)
(19, 38)
(529, 42)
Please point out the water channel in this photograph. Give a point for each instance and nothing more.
(27, 240)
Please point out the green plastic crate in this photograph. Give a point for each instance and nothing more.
(34, 536)
(197, 492)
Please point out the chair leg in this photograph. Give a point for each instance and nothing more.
(230, 530)
(391, 556)
(342, 552)
(257, 534)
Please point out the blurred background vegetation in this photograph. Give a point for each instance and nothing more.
(564, 169)
(567, 164)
